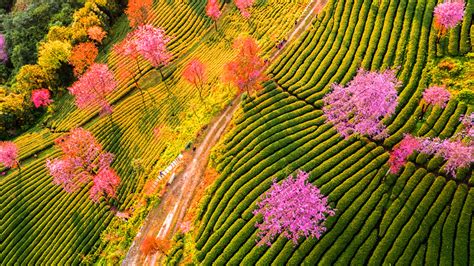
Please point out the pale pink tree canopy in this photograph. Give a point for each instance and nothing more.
(83, 161)
(294, 208)
(360, 106)
(399, 155)
(8, 153)
(195, 72)
(436, 95)
(243, 6)
(151, 44)
(212, 10)
(3, 49)
(467, 122)
(41, 97)
(457, 154)
(449, 14)
(93, 87)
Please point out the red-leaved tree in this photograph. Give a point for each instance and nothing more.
(82, 57)
(213, 11)
(399, 155)
(138, 11)
(93, 87)
(360, 106)
(83, 161)
(294, 208)
(41, 97)
(9, 154)
(246, 71)
(195, 73)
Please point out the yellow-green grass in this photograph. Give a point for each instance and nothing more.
(43, 224)
(421, 216)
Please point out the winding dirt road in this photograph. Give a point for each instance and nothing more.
(177, 198)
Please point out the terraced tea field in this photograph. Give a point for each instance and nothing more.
(422, 216)
(45, 225)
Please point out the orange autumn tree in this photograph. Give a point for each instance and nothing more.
(151, 245)
(96, 33)
(82, 56)
(137, 11)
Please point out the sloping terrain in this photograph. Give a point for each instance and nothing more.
(45, 225)
(421, 216)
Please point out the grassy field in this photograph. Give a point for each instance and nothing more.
(421, 217)
(45, 225)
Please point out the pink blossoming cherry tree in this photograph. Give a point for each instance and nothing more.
(93, 87)
(360, 106)
(9, 154)
(41, 97)
(212, 11)
(294, 209)
(449, 14)
(195, 73)
(436, 95)
(83, 161)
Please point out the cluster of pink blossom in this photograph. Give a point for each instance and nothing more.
(8, 153)
(152, 45)
(83, 157)
(467, 122)
(93, 87)
(195, 72)
(41, 97)
(294, 208)
(243, 6)
(360, 107)
(3, 49)
(436, 95)
(457, 154)
(212, 10)
(105, 184)
(449, 14)
(148, 42)
(399, 155)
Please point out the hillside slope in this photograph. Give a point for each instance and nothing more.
(45, 225)
(421, 216)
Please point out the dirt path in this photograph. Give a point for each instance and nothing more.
(177, 198)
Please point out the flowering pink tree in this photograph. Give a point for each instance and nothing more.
(152, 46)
(195, 73)
(3, 49)
(457, 154)
(106, 183)
(93, 87)
(213, 11)
(467, 122)
(399, 155)
(447, 15)
(294, 208)
(9, 154)
(83, 161)
(41, 97)
(243, 6)
(436, 96)
(360, 107)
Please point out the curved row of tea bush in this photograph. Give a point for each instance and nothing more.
(420, 216)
